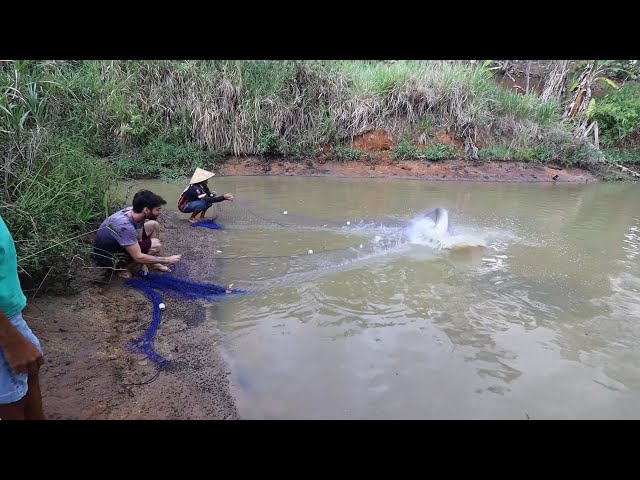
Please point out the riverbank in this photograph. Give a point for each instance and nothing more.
(451, 170)
(89, 373)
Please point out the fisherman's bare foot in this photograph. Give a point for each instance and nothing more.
(124, 273)
(160, 268)
(192, 220)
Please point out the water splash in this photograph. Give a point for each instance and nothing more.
(436, 232)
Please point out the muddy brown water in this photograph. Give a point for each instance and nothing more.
(381, 322)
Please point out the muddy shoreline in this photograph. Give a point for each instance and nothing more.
(90, 374)
(385, 166)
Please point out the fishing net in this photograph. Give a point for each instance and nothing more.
(174, 286)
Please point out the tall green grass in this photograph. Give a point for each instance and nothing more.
(68, 129)
(52, 191)
(233, 107)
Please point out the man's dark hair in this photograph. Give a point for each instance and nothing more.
(146, 198)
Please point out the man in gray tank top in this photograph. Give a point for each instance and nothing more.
(119, 245)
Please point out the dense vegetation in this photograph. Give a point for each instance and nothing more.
(70, 129)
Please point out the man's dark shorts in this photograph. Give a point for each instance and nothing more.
(122, 257)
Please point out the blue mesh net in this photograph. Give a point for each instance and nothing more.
(144, 343)
(209, 223)
(151, 286)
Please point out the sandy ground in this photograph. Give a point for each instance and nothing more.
(90, 374)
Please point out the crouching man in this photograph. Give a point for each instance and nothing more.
(129, 239)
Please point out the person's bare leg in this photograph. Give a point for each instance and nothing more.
(152, 229)
(14, 411)
(193, 216)
(33, 398)
(154, 250)
(28, 407)
(155, 246)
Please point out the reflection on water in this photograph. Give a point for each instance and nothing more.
(536, 315)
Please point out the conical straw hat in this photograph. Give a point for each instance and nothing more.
(201, 175)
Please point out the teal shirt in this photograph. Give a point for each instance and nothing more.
(12, 300)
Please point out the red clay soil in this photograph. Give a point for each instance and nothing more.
(384, 165)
